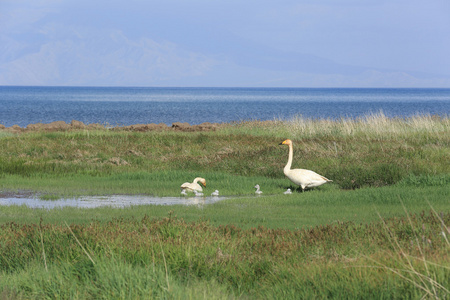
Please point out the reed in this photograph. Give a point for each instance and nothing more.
(371, 125)
(417, 269)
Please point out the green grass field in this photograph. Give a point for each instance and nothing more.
(379, 230)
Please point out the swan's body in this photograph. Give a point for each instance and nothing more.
(194, 186)
(215, 193)
(304, 178)
(288, 192)
(257, 192)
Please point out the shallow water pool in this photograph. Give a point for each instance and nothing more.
(116, 201)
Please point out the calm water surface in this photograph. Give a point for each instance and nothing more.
(115, 201)
(126, 106)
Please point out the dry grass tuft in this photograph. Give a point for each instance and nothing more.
(376, 124)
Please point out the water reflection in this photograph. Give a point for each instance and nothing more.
(116, 201)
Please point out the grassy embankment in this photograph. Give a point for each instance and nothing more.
(328, 242)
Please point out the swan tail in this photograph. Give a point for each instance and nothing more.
(326, 179)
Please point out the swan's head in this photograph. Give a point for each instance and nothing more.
(257, 186)
(286, 142)
(202, 181)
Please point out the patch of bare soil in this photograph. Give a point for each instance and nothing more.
(16, 194)
(77, 125)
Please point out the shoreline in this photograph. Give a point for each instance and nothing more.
(78, 125)
(62, 126)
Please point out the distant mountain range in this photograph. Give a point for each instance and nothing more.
(113, 59)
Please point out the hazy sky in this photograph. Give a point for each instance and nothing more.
(329, 43)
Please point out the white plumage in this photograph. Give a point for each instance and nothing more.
(198, 194)
(288, 192)
(258, 191)
(215, 193)
(304, 178)
(194, 186)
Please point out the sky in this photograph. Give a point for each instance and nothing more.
(225, 43)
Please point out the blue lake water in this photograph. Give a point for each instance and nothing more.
(132, 105)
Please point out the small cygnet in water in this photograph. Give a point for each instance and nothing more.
(288, 192)
(257, 187)
(215, 193)
(197, 194)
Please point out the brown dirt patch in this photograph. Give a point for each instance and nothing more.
(78, 125)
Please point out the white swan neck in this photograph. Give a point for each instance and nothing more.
(291, 157)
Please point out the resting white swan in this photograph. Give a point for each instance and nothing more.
(194, 186)
(215, 193)
(257, 187)
(304, 178)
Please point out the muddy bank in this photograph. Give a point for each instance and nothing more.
(77, 125)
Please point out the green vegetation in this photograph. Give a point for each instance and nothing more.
(380, 230)
(375, 152)
(170, 258)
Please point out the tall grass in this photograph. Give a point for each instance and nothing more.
(371, 125)
(171, 258)
(417, 269)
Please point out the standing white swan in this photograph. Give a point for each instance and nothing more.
(304, 178)
(194, 186)
(257, 192)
